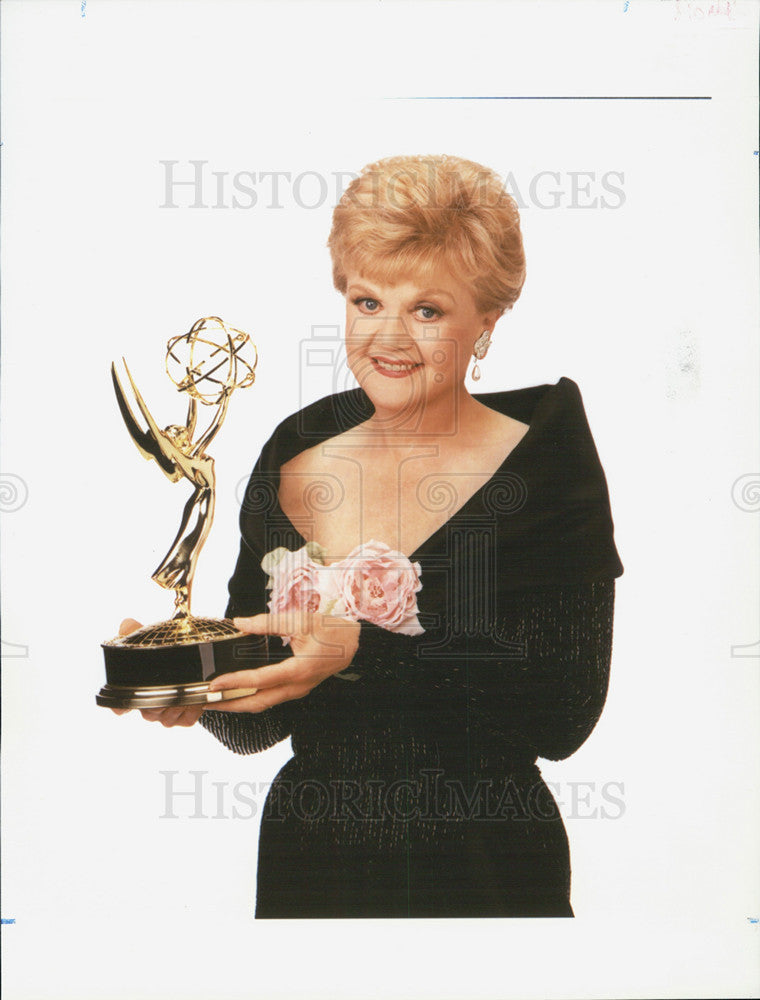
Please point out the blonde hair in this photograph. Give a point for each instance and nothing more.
(408, 215)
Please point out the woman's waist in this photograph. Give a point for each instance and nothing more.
(438, 798)
(391, 755)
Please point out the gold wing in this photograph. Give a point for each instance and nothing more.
(152, 443)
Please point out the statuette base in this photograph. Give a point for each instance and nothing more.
(171, 663)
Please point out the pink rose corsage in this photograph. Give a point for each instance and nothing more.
(373, 583)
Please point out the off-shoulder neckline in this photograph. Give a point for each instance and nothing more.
(487, 399)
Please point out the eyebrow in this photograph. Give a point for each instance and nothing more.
(421, 294)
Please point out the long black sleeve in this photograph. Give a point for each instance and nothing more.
(246, 733)
(545, 693)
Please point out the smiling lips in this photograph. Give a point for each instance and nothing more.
(395, 369)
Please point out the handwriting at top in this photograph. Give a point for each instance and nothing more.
(688, 10)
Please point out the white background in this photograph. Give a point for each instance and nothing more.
(651, 306)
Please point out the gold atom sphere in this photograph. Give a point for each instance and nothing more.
(211, 360)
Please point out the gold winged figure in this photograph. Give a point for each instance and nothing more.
(178, 455)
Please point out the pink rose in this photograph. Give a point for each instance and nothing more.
(294, 581)
(379, 585)
(373, 583)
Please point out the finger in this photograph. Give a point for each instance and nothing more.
(262, 700)
(281, 623)
(152, 714)
(129, 625)
(191, 715)
(303, 627)
(261, 677)
(229, 693)
(121, 711)
(172, 716)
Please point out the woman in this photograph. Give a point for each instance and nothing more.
(413, 790)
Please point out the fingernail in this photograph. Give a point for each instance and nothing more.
(214, 696)
(244, 624)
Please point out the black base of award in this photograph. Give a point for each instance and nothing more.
(171, 663)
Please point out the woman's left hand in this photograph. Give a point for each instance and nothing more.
(322, 646)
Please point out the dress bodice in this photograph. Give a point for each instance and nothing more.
(534, 543)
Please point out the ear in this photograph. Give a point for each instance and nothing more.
(488, 320)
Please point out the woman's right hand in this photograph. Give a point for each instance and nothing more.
(179, 715)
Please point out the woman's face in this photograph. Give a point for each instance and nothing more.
(411, 342)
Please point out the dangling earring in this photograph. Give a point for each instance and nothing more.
(479, 351)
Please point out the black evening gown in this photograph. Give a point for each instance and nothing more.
(413, 790)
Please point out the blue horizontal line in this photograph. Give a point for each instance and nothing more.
(593, 97)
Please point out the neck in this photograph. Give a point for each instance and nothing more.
(444, 417)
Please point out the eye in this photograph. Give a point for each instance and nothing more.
(366, 304)
(428, 312)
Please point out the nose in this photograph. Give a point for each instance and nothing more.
(389, 334)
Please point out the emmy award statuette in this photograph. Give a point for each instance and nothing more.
(171, 663)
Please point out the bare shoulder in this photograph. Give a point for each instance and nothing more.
(498, 429)
(320, 458)
(510, 425)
